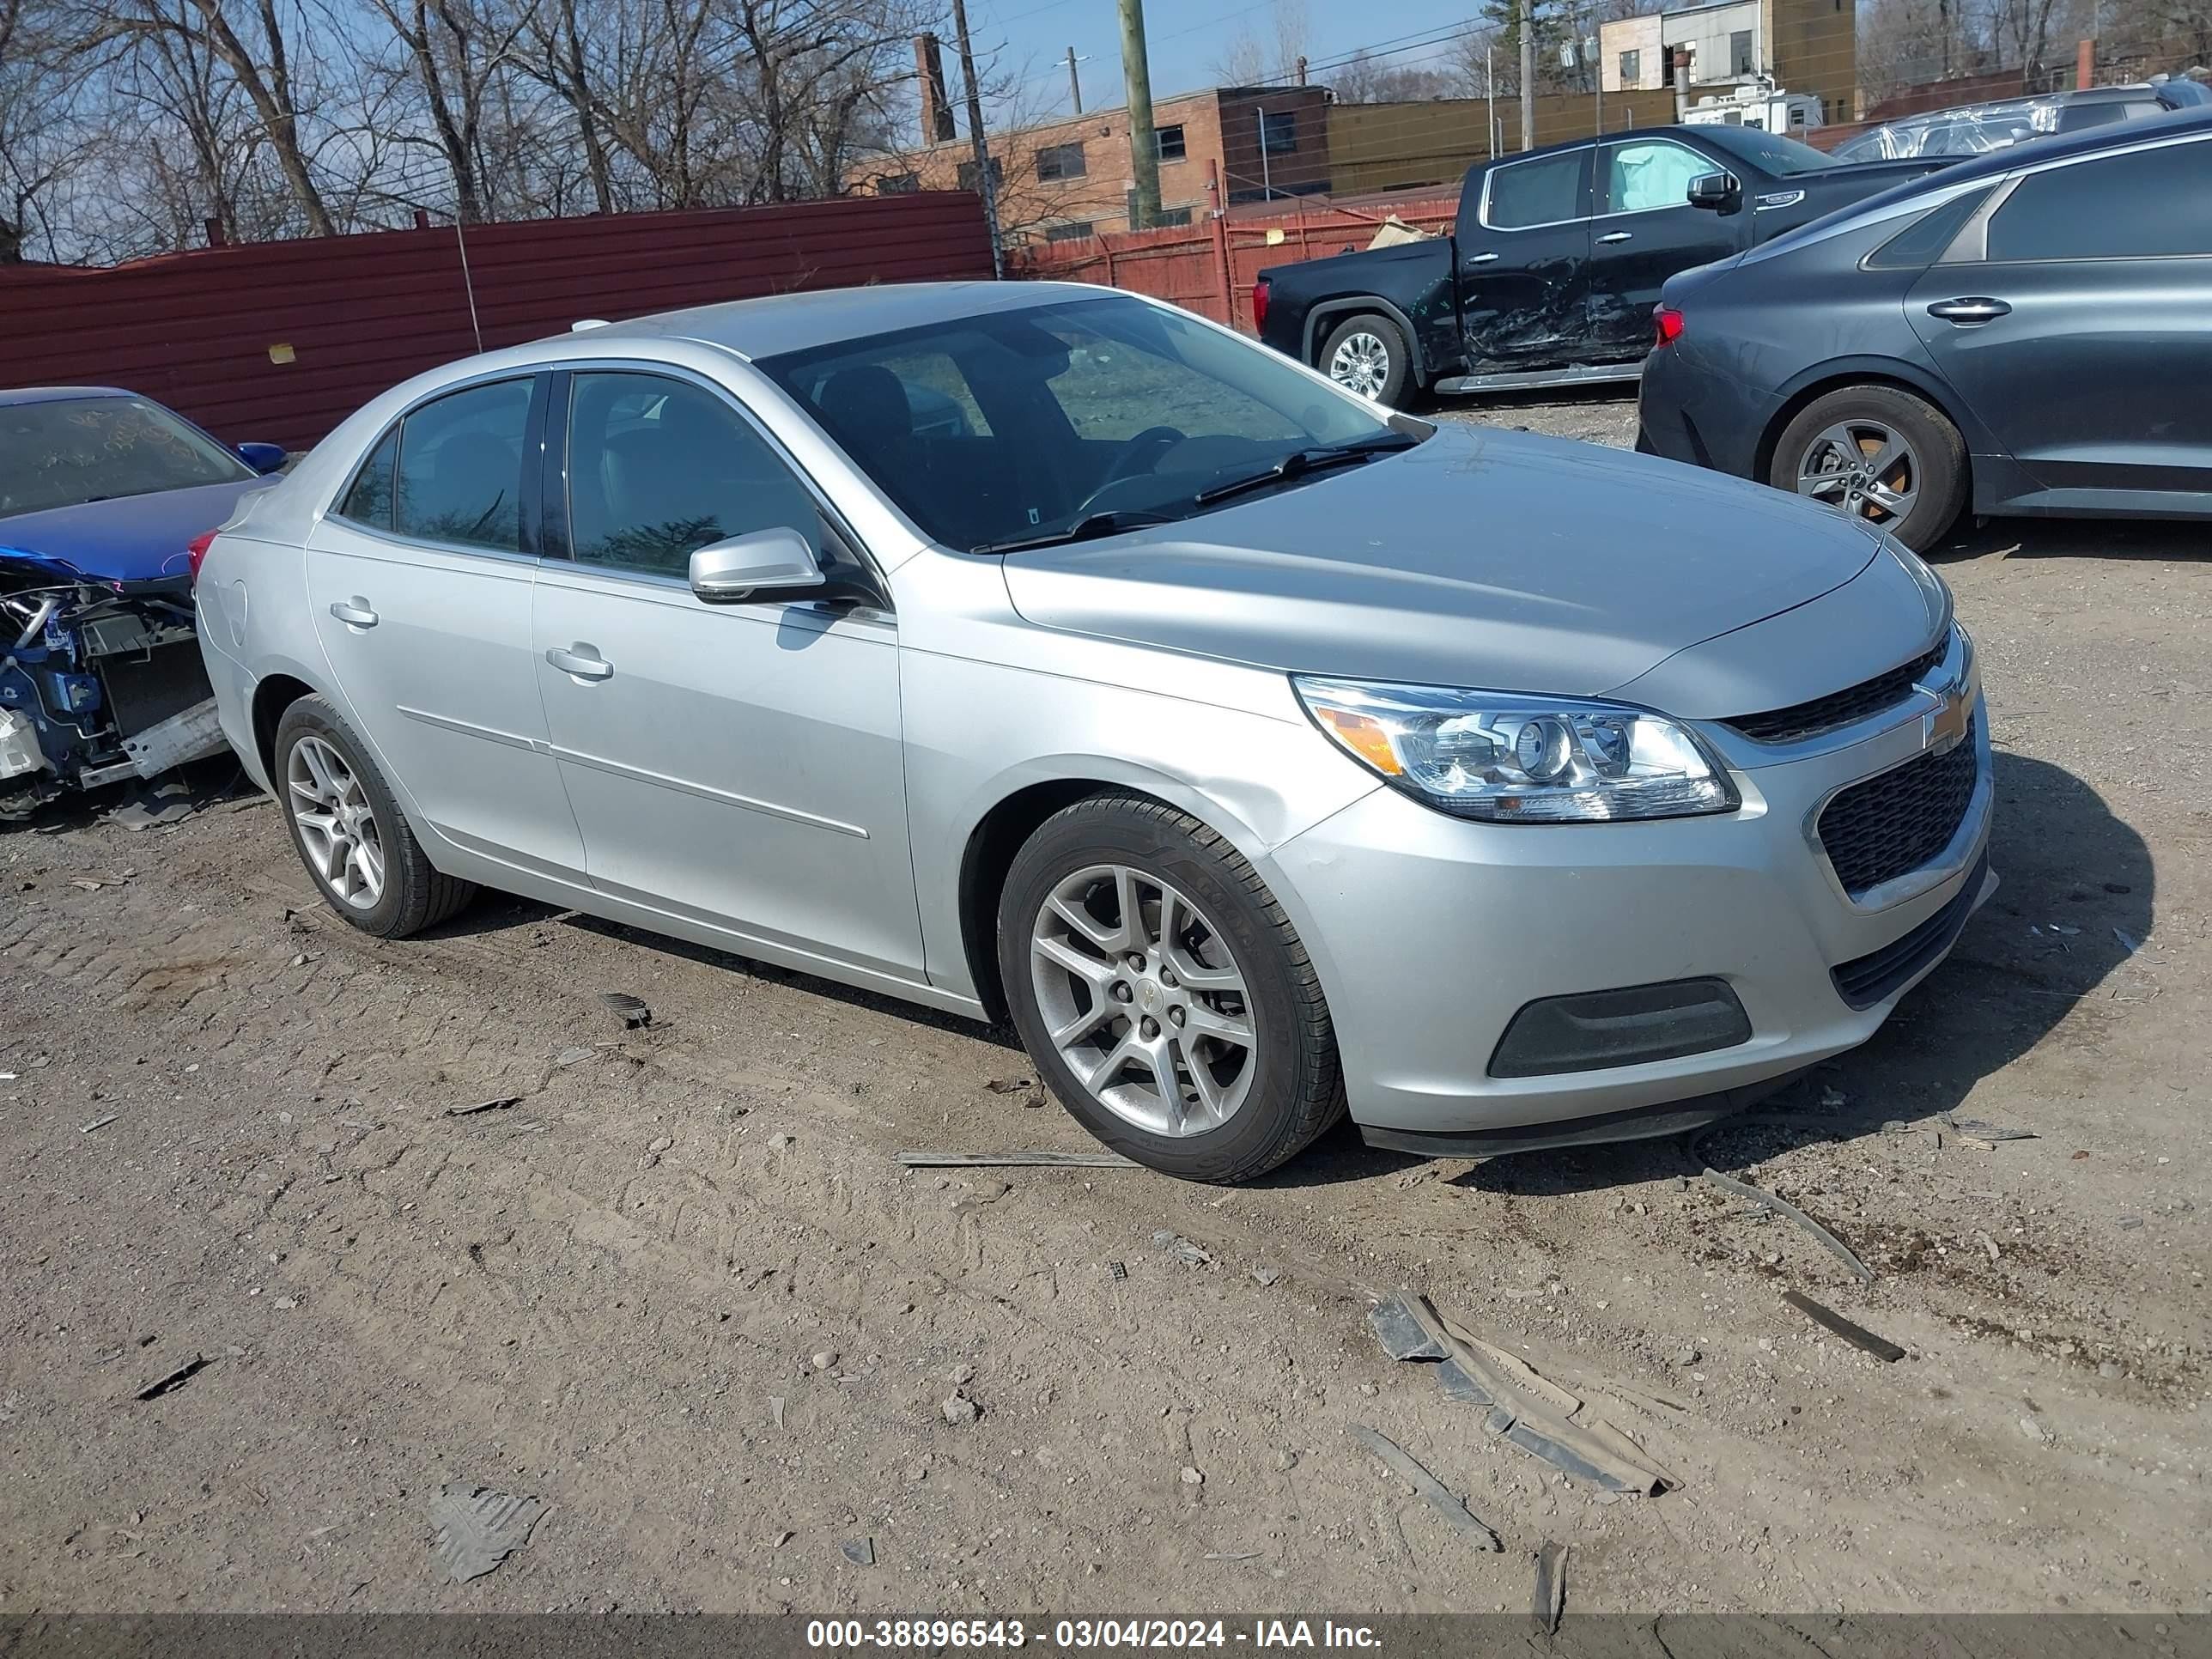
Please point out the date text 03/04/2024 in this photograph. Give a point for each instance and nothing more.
(940, 1633)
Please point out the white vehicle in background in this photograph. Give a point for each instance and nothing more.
(1763, 107)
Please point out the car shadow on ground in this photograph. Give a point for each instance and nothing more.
(2174, 541)
(2076, 897)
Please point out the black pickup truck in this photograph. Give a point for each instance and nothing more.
(1556, 261)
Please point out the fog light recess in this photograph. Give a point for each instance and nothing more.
(1595, 1030)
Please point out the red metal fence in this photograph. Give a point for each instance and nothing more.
(280, 341)
(1209, 267)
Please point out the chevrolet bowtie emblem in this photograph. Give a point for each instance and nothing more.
(1941, 728)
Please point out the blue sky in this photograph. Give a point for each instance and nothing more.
(1185, 37)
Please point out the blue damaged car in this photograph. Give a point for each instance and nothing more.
(105, 497)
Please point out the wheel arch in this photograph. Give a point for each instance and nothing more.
(1328, 312)
(1020, 806)
(272, 695)
(1818, 382)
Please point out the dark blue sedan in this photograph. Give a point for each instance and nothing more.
(102, 495)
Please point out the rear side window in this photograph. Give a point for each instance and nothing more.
(1920, 243)
(2144, 205)
(369, 500)
(459, 477)
(1539, 192)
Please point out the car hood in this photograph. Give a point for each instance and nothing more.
(133, 538)
(1482, 558)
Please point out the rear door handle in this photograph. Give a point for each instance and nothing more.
(592, 666)
(1966, 313)
(354, 613)
(1480, 259)
(1617, 236)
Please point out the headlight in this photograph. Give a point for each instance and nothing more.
(1509, 758)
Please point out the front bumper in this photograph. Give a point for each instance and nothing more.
(1431, 932)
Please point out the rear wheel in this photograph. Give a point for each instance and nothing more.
(348, 830)
(1879, 453)
(1366, 355)
(1164, 994)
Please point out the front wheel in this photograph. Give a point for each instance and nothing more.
(1367, 355)
(1164, 994)
(1879, 453)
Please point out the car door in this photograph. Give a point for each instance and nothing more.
(738, 765)
(2075, 320)
(419, 582)
(1524, 244)
(1644, 232)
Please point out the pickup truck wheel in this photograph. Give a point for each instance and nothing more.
(1879, 453)
(1367, 355)
(1164, 994)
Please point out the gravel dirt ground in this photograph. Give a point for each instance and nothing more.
(681, 1291)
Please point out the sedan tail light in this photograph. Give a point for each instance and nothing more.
(1666, 327)
(196, 551)
(1260, 306)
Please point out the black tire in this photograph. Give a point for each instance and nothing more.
(1397, 381)
(1937, 456)
(1296, 1085)
(416, 895)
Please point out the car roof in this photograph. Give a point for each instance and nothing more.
(57, 394)
(779, 323)
(1995, 163)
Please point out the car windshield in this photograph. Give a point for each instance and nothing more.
(1070, 419)
(1769, 152)
(64, 452)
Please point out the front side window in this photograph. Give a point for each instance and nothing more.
(1650, 175)
(459, 476)
(1010, 427)
(64, 452)
(659, 468)
(2143, 204)
(1544, 192)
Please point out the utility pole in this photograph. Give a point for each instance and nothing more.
(981, 150)
(1075, 82)
(1490, 116)
(1528, 74)
(1144, 142)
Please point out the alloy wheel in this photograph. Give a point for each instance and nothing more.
(1144, 1000)
(1361, 363)
(1864, 468)
(338, 826)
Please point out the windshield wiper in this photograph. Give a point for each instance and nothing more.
(1091, 525)
(1299, 462)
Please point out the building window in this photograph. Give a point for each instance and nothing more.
(1740, 52)
(1170, 141)
(897, 184)
(1632, 68)
(967, 176)
(1278, 130)
(1059, 161)
(1074, 231)
(1173, 216)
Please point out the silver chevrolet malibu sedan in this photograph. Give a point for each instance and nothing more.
(1042, 653)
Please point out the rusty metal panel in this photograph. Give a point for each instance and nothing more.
(280, 341)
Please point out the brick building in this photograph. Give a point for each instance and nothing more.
(1073, 177)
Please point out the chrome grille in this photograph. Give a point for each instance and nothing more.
(1877, 830)
(1840, 708)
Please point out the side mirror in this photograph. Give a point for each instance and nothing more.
(768, 563)
(1719, 193)
(263, 459)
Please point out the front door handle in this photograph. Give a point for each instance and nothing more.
(1480, 259)
(582, 660)
(354, 613)
(1617, 236)
(1967, 313)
